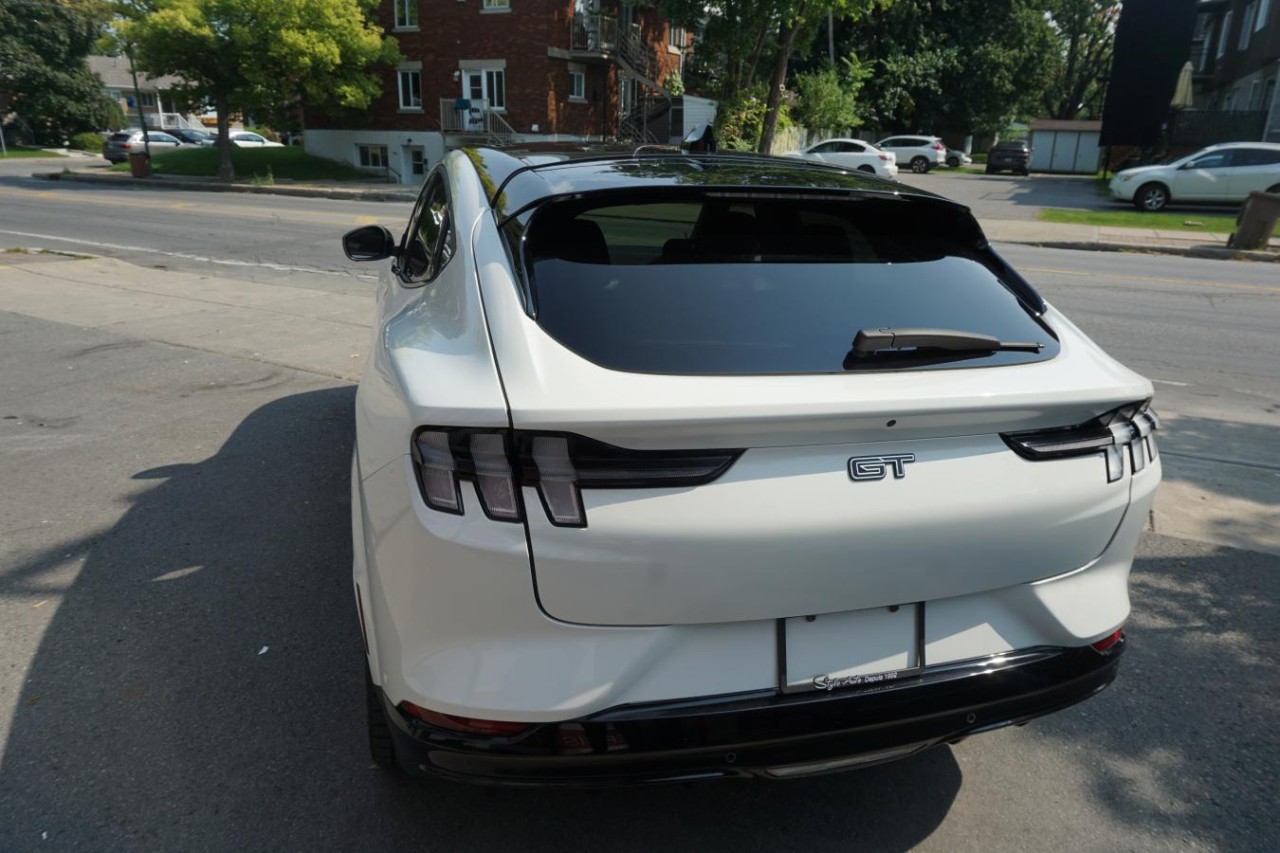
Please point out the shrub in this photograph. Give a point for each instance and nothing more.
(88, 141)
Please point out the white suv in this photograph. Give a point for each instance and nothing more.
(919, 153)
(1219, 173)
(679, 467)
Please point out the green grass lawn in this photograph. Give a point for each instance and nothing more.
(283, 163)
(27, 153)
(1212, 223)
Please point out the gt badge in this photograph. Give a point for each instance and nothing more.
(875, 467)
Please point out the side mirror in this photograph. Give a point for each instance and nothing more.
(369, 243)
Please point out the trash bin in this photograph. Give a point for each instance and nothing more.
(139, 165)
(1256, 221)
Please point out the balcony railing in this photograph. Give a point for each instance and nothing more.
(474, 118)
(593, 34)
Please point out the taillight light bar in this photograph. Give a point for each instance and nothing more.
(1130, 427)
(558, 465)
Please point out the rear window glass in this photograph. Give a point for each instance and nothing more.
(120, 137)
(748, 285)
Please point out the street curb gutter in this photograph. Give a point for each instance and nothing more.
(218, 187)
(1209, 252)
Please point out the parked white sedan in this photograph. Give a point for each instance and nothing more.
(253, 140)
(852, 154)
(1219, 173)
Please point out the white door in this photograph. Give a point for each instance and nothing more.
(1256, 169)
(1204, 178)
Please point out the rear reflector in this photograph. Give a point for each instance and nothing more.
(466, 725)
(1109, 641)
(558, 465)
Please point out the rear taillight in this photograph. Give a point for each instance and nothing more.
(884, 156)
(938, 146)
(1129, 428)
(466, 725)
(558, 465)
(127, 146)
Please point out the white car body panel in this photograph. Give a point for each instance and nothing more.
(882, 163)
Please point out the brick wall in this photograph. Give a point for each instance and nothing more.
(537, 84)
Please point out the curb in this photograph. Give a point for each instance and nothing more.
(1208, 252)
(218, 187)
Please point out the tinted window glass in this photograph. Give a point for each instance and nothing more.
(1216, 160)
(851, 148)
(1257, 157)
(735, 285)
(823, 148)
(429, 242)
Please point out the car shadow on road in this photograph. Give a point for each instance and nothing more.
(1182, 747)
(201, 686)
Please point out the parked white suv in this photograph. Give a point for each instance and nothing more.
(679, 467)
(920, 153)
(1219, 173)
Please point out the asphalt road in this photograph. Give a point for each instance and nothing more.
(168, 513)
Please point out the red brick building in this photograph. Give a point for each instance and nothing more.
(510, 72)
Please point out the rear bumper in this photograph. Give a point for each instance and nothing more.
(765, 733)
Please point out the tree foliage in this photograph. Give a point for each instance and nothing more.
(739, 35)
(43, 76)
(264, 56)
(1085, 33)
(826, 100)
(971, 65)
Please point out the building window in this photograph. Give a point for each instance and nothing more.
(577, 86)
(417, 161)
(146, 99)
(1246, 26)
(372, 156)
(406, 14)
(410, 82)
(1224, 34)
(496, 6)
(1264, 12)
(677, 37)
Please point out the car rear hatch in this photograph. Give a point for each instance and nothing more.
(700, 441)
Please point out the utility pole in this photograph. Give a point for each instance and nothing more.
(831, 38)
(137, 99)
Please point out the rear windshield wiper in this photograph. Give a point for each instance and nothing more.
(868, 342)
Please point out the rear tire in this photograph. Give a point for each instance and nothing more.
(1151, 198)
(953, 162)
(1275, 189)
(867, 169)
(382, 748)
(919, 165)
(991, 170)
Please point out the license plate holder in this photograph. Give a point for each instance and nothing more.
(857, 649)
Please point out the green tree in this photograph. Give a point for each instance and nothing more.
(827, 99)
(1085, 32)
(968, 65)
(264, 56)
(742, 34)
(43, 75)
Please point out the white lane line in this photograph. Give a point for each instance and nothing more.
(120, 247)
(1171, 382)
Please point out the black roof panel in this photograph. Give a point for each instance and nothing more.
(513, 184)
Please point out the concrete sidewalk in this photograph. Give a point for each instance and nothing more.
(346, 190)
(1101, 238)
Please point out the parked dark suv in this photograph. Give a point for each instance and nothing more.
(1014, 155)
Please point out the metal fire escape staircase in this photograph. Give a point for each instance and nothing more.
(635, 59)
